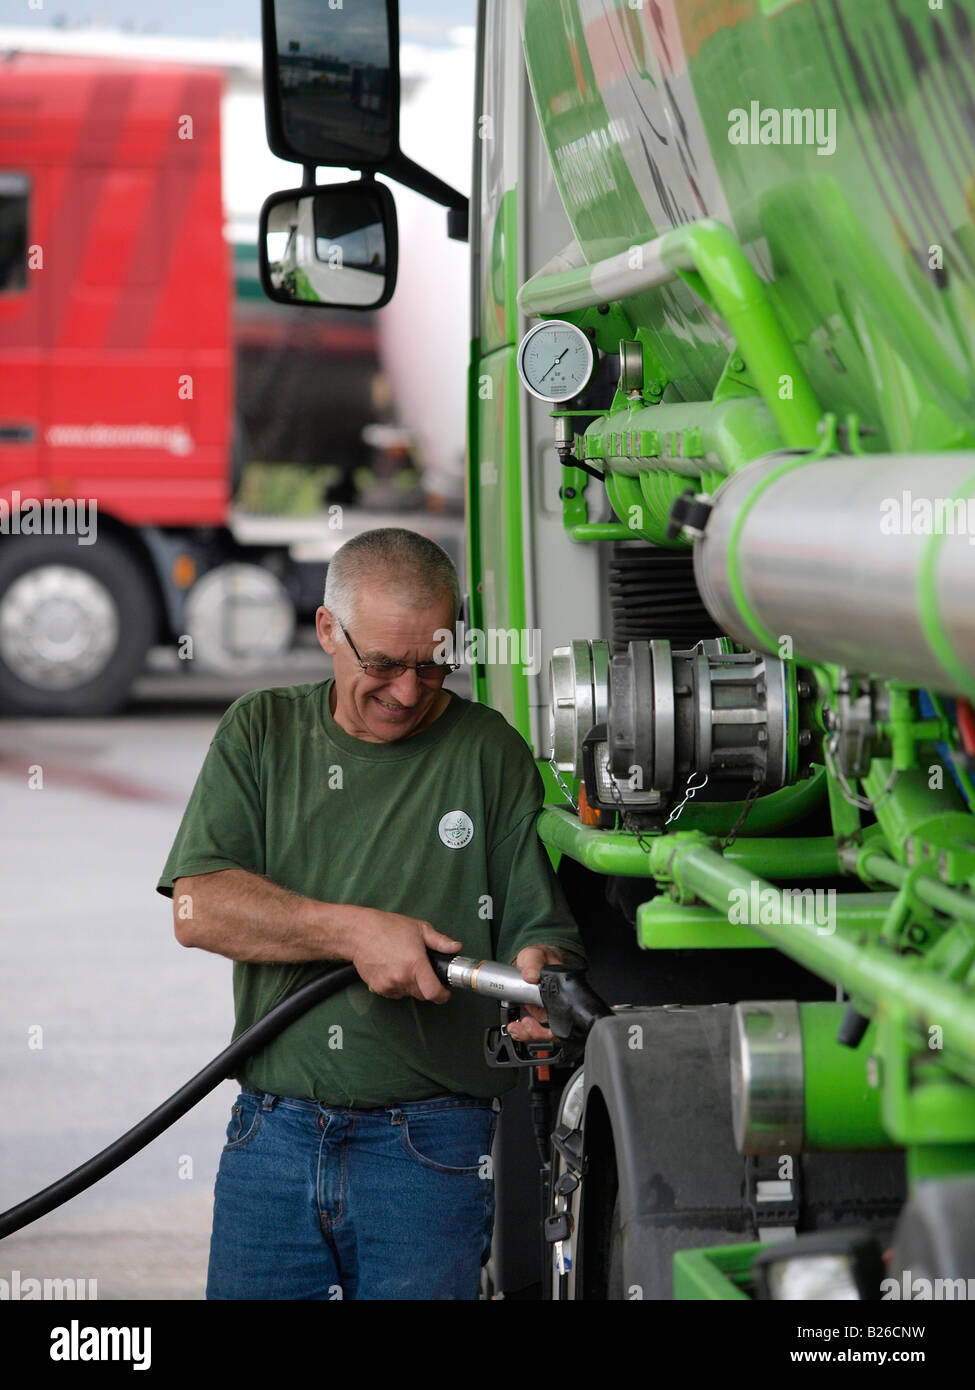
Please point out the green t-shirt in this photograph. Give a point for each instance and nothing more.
(440, 826)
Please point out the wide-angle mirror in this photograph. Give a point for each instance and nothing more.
(333, 247)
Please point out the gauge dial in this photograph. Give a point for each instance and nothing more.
(556, 361)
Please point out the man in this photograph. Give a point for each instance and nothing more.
(368, 818)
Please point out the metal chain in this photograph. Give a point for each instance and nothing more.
(746, 807)
(562, 785)
(628, 822)
(861, 803)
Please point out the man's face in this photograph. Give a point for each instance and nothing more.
(384, 629)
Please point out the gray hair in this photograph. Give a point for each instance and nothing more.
(405, 563)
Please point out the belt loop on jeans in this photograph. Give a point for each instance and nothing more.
(269, 1101)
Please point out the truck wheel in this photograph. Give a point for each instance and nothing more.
(75, 625)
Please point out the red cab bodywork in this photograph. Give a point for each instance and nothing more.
(116, 359)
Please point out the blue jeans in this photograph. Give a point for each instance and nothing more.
(322, 1202)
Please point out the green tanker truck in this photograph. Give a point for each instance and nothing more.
(722, 477)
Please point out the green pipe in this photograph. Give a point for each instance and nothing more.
(867, 971)
(600, 531)
(955, 902)
(711, 249)
(760, 635)
(842, 1109)
(803, 856)
(617, 852)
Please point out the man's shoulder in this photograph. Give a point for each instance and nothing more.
(499, 753)
(489, 725)
(274, 703)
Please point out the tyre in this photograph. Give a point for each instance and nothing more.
(76, 622)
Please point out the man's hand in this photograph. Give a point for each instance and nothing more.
(531, 1027)
(390, 953)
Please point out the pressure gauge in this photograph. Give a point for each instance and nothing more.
(556, 361)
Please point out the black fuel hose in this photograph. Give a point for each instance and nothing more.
(205, 1081)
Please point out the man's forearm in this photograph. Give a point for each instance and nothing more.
(240, 915)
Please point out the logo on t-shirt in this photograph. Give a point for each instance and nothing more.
(456, 829)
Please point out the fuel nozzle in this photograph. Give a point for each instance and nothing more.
(571, 1004)
(562, 991)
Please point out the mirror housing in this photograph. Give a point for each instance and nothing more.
(337, 102)
(334, 246)
(331, 82)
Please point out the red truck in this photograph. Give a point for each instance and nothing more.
(120, 446)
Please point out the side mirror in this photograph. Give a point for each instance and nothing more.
(336, 247)
(331, 81)
(332, 93)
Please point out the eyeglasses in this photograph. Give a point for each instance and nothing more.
(390, 670)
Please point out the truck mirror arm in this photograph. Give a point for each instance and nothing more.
(411, 175)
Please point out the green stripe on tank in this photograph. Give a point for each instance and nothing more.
(735, 583)
(791, 722)
(928, 606)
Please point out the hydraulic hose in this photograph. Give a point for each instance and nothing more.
(205, 1081)
(572, 1007)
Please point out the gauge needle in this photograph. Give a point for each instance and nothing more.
(553, 366)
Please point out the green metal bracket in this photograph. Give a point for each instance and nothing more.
(573, 493)
(841, 1107)
(844, 815)
(607, 325)
(923, 822)
(662, 925)
(910, 920)
(905, 730)
(735, 380)
(922, 1103)
(665, 925)
(655, 379)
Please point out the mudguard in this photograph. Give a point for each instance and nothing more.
(661, 1078)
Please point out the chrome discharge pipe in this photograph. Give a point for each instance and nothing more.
(487, 977)
(865, 561)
